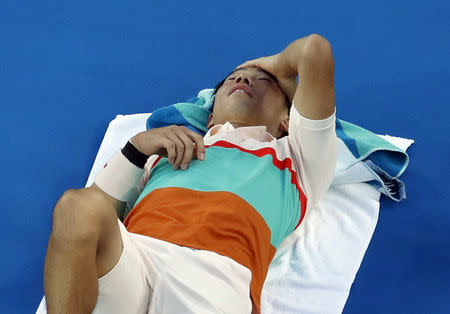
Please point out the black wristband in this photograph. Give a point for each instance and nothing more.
(134, 156)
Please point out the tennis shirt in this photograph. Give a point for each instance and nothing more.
(251, 191)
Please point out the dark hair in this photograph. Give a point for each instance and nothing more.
(219, 85)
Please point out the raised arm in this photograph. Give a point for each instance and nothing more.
(312, 135)
(312, 58)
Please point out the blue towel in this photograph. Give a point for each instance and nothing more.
(384, 161)
(192, 113)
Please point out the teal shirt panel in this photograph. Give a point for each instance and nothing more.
(255, 179)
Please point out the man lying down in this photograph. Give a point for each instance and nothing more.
(207, 224)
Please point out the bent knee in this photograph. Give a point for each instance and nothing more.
(80, 213)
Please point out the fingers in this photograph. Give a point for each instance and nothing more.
(248, 63)
(199, 145)
(182, 145)
(170, 147)
(254, 62)
(179, 149)
(188, 150)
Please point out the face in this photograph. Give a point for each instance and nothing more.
(250, 97)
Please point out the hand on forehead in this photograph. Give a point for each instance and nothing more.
(245, 67)
(253, 68)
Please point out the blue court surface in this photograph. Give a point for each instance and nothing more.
(67, 69)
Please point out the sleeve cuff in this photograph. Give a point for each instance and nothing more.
(310, 123)
(119, 178)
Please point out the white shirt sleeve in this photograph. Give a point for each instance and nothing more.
(119, 178)
(313, 145)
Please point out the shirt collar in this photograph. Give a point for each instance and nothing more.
(258, 133)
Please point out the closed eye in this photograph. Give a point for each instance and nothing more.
(261, 78)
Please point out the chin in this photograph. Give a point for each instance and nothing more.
(242, 105)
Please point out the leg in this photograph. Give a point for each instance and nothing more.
(85, 244)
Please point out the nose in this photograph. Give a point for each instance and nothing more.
(244, 78)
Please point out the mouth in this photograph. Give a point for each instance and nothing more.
(241, 88)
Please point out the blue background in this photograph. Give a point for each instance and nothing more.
(66, 70)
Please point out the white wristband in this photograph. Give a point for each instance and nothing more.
(119, 178)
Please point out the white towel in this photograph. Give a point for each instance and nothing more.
(315, 266)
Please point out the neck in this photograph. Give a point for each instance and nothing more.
(238, 124)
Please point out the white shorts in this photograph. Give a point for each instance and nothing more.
(154, 276)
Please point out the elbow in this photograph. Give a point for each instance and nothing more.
(318, 49)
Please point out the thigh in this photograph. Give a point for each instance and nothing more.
(186, 280)
(125, 288)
